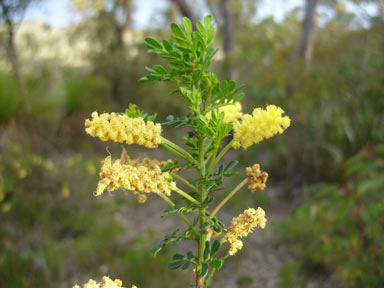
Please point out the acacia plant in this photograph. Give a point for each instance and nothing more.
(213, 125)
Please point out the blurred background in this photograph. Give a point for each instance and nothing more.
(322, 61)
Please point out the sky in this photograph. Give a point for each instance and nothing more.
(59, 13)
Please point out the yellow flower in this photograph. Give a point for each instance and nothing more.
(242, 225)
(141, 199)
(135, 176)
(105, 283)
(256, 178)
(262, 124)
(232, 112)
(121, 128)
(236, 245)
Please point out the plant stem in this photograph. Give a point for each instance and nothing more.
(187, 196)
(209, 277)
(199, 281)
(222, 153)
(178, 148)
(212, 164)
(229, 196)
(170, 203)
(175, 152)
(184, 181)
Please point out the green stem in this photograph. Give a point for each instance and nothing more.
(212, 164)
(175, 152)
(209, 277)
(201, 160)
(187, 196)
(178, 148)
(201, 210)
(170, 203)
(222, 153)
(184, 181)
(229, 196)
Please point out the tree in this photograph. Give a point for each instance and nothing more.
(305, 48)
(12, 12)
(106, 22)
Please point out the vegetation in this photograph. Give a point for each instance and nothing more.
(334, 97)
(341, 226)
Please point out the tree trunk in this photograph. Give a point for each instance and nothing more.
(227, 37)
(12, 54)
(307, 36)
(186, 11)
(117, 52)
(305, 49)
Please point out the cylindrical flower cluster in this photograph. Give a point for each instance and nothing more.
(105, 283)
(144, 177)
(242, 225)
(256, 178)
(121, 128)
(232, 112)
(262, 124)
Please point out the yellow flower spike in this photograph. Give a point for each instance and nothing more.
(242, 225)
(232, 112)
(256, 178)
(135, 176)
(105, 283)
(236, 245)
(262, 124)
(124, 129)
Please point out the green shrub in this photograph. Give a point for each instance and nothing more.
(341, 226)
(9, 97)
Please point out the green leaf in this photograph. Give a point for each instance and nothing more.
(230, 165)
(201, 29)
(215, 247)
(211, 52)
(169, 238)
(204, 270)
(217, 263)
(206, 202)
(152, 43)
(160, 69)
(178, 256)
(178, 208)
(190, 255)
(143, 79)
(208, 20)
(232, 85)
(168, 47)
(187, 25)
(224, 87)
(185, 266)
(175, 265)
(157, 248)
(207, 250)
(177, 31)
